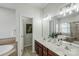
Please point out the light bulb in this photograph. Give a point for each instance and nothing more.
(77, 9)
(61, 13)
(64, 14)
(70, 12)
(74, 7)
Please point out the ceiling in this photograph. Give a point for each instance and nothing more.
(15, 5)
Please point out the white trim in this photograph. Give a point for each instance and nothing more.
(18, 33)
(9, 53)
(27, 45)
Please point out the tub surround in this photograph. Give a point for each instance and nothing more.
(65, 49)
(5, 41)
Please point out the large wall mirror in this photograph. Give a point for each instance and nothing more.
(66, 28)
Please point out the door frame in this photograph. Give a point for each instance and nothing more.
(20, 18)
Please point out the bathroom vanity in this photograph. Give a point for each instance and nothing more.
(46, 48)
(41, 50)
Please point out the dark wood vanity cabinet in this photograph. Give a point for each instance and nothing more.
(51, 53)
(42, 50)
(38, 48)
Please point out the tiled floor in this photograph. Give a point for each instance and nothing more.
(28, 51)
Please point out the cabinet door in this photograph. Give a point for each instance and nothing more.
(40, 51)
(51, 53)
(44, 51)
(36, 47)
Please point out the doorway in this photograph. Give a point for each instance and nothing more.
(27, 35)
(27, 31)
(25, 43)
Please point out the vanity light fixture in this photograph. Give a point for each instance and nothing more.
(69, 9)
(47, 18)
(77, 9)
(75, 6)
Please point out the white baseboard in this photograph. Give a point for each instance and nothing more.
(27, 45)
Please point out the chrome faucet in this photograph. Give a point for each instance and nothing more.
(67, 48)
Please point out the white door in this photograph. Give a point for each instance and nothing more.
(21, 36)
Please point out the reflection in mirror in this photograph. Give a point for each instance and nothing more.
(74, 26)
(53, 26)
(68, 29)
(65, 28)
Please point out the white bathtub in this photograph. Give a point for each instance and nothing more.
(5, 50)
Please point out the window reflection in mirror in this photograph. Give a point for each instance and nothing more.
(65, 28)
(69, 29)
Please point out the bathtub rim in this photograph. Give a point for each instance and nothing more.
(9, 52)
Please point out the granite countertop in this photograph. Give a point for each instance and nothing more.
(60, 50)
